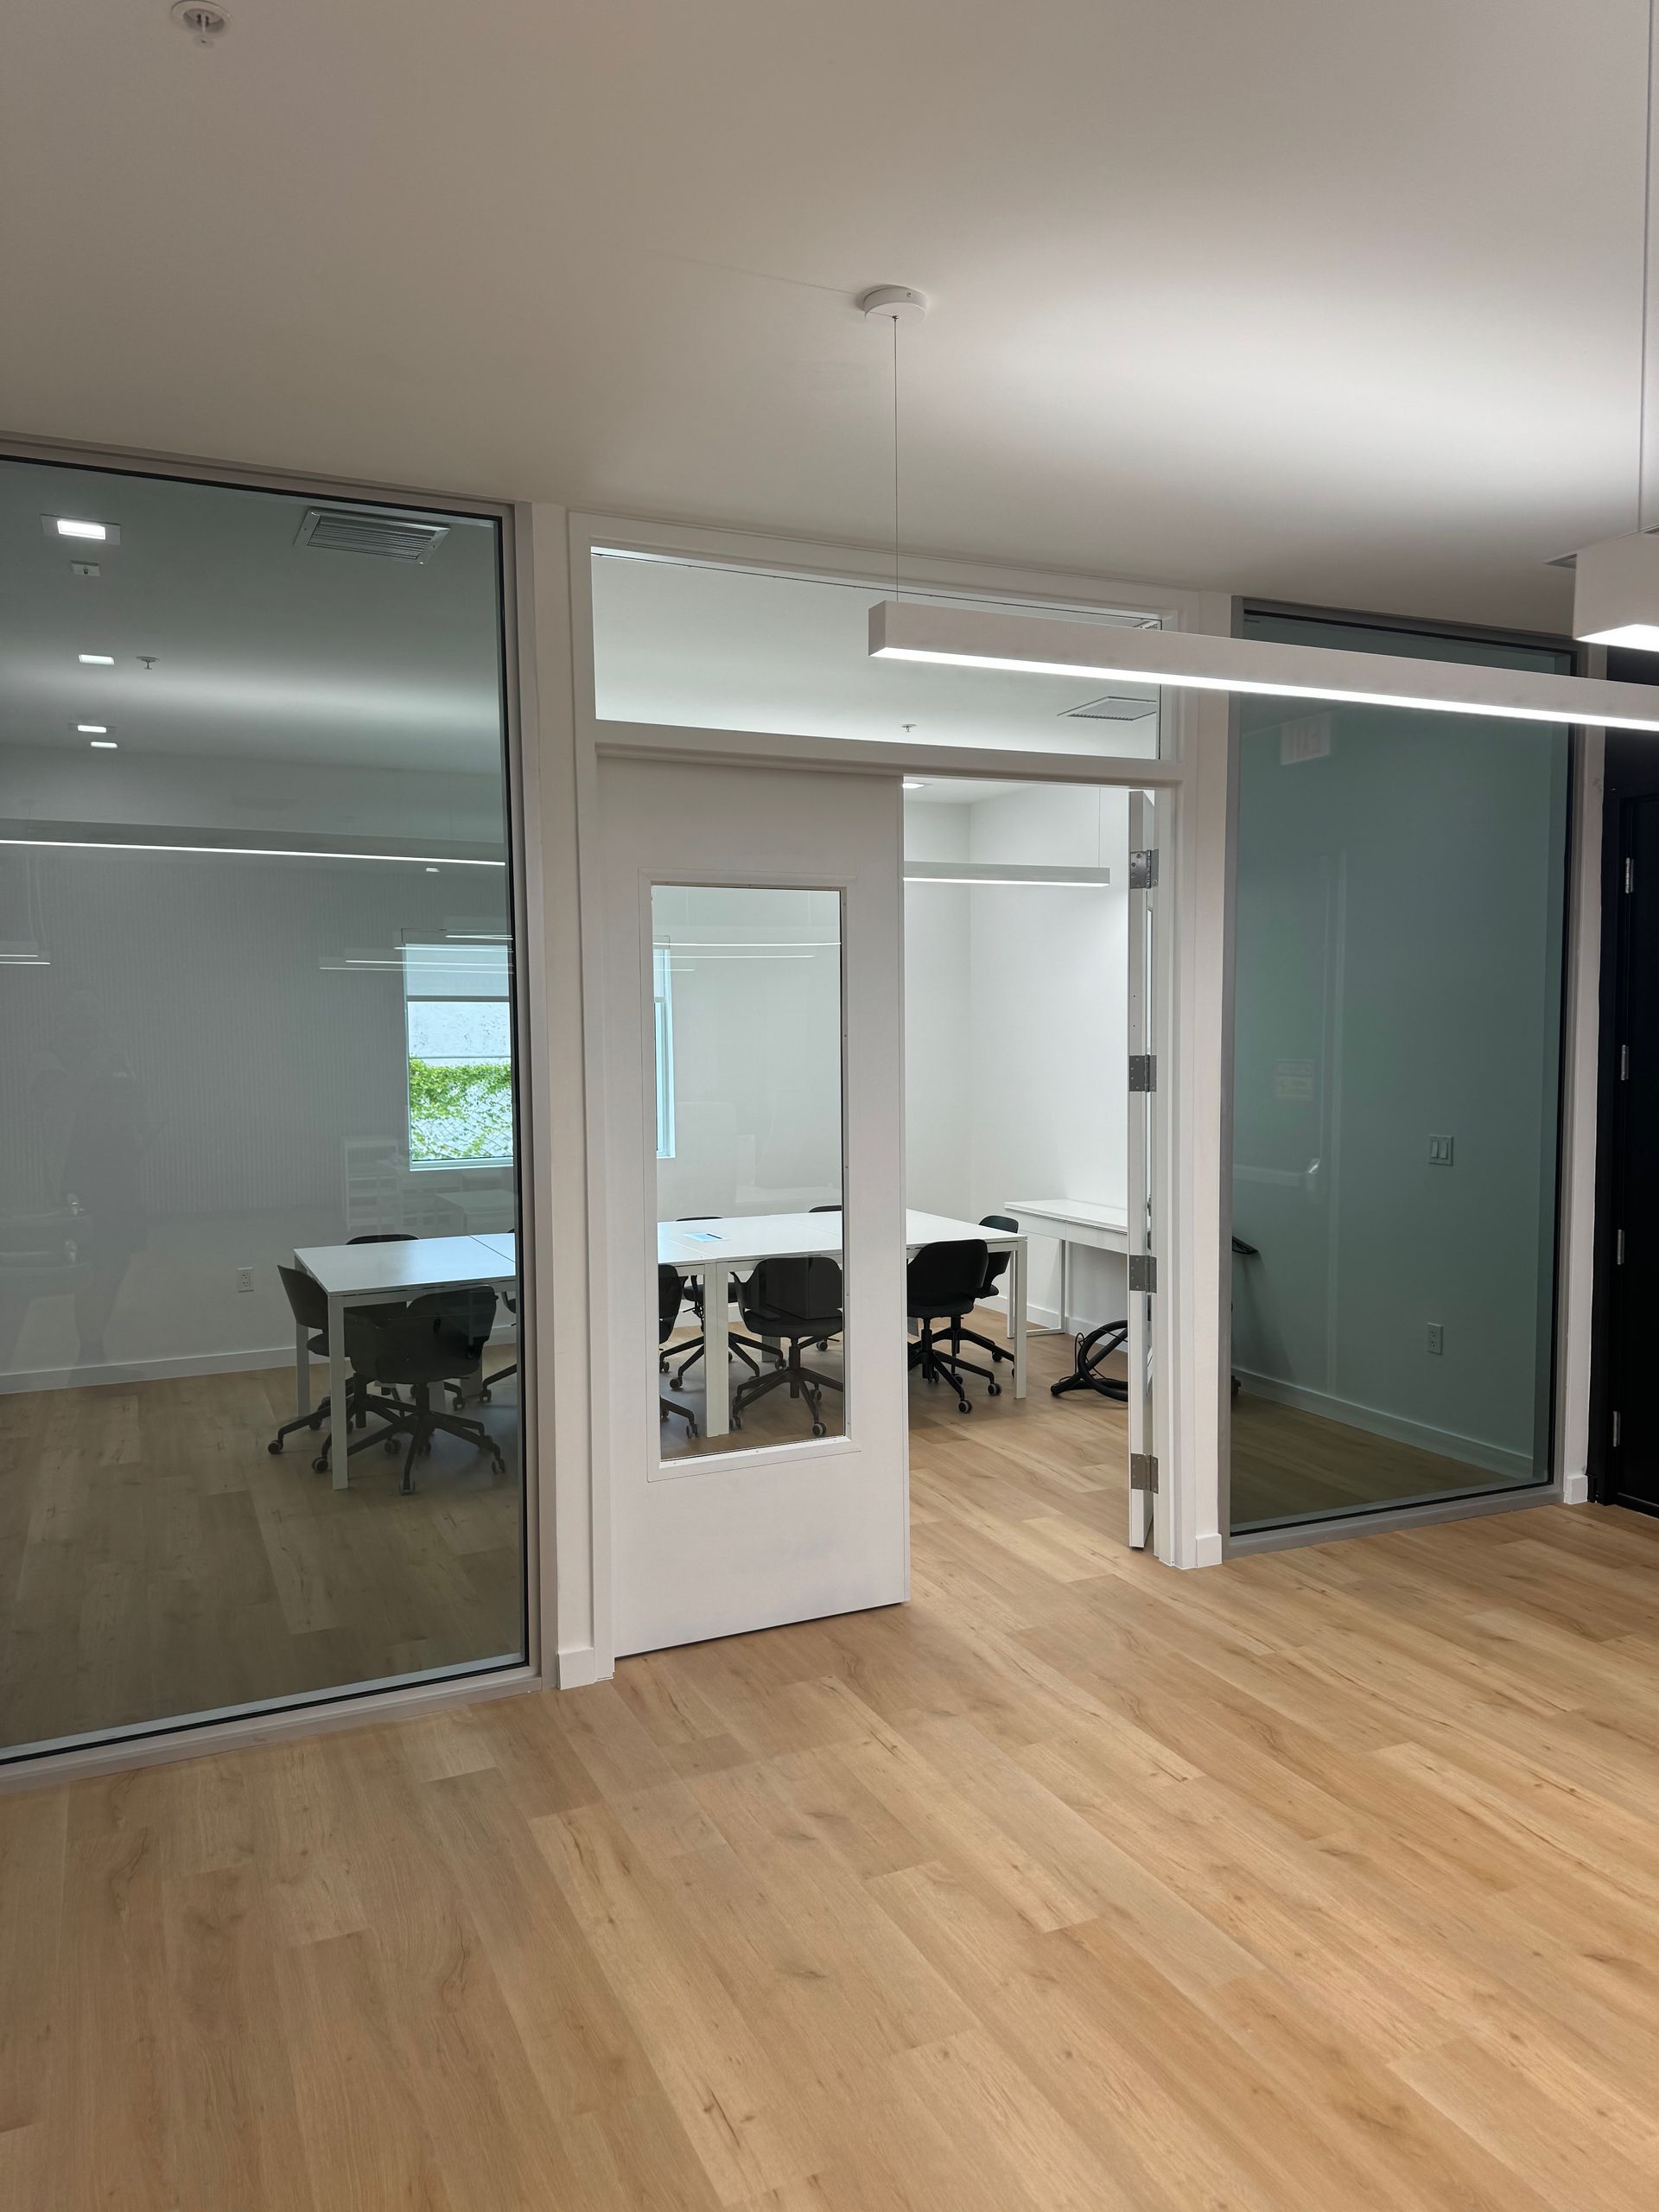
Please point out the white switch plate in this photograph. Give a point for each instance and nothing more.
(1439, 1152)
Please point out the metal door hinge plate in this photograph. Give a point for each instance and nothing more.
(1143, 1271)
(1143, 870)
(1143, 1071)
(1143, 1473)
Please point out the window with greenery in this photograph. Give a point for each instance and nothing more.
(460, 1031)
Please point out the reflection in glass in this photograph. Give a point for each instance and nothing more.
(729, 648)
(254, 1001)
(1398, 1025)
(747, 1024)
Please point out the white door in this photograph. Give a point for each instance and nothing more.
(1144, 1239)
(751, 1029)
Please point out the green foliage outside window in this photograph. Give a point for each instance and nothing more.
(460, 1111)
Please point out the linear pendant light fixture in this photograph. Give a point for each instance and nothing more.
(1197, 660)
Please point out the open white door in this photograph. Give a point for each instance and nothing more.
(752, 1025)
(1143, 1240)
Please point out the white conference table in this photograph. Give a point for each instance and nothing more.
(1074, 1220)
(730, 1243)
(370, 1275)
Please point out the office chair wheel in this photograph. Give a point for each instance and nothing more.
(320, 1464)
(818, 1429)
(275, 1447)
(964, 1406)
(391, 1448)
(737, 1420)
(993, 1390)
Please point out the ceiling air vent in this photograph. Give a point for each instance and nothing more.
(388, 537)
(1115, 707)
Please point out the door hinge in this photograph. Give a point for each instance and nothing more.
(1143, 870)
(1143, 1070)
(1615, 1444)
(1630, 875)
(1624, 1065)
(1143, 1473)
(1143, 1271)
(1618, 1250)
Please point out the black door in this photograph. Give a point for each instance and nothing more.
(1630, 1472)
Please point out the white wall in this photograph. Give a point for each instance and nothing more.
(198, 983)
(756, 995)
(1016, 1023)
(1399, 935)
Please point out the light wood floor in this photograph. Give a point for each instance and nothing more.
(155, 1560)
(1291, 1465)
(1325, 1881)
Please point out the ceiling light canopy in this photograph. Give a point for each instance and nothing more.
(1198, 660)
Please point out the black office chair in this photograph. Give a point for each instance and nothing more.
(438, 1339)
(1090, 1349)
(670, 1295)
(942, 1283)
(309, 1303)
(798, 1301)
(691, 1291)
(996, 1265)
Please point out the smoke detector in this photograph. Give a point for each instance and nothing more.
(201, 19)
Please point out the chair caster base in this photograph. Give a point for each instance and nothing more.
(320, 1466)
(275, 1447)
(994, 1389)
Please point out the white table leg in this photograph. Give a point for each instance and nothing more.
(716, 1352)
(1017, 1320)
(1065, 1255)
(302, 1371)
(339, 1433)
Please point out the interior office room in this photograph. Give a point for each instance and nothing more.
(257, 939)
(829, 1108)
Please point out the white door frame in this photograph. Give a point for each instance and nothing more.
(1190, 771)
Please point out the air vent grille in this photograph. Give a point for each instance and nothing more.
(1115, 707)
(385, 537)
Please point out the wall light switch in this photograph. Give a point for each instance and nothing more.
(1439, 1152)
(1437, 1337)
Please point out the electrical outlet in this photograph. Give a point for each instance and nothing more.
(1436, 1338)
(1439, 1152)
(244, 1278)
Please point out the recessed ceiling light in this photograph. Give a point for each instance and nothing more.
(101, 533)
(915, 783)
(431, 871)
(103, 745)
(93, 729)
(96, 660)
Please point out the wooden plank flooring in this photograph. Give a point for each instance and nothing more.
(1325, 1881)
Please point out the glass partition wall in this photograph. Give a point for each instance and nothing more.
(1397, 1069)
(256, 1104)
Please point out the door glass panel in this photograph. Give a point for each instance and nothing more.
(722, 647)
(745, 1030)
(256, 948)
(1400, 881)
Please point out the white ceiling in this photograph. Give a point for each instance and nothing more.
(1332, 303)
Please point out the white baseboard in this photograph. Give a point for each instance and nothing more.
(1446, 1442)
(1575, 1488)
(129, 1371)
(1207, 1550)
(578, 1668)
